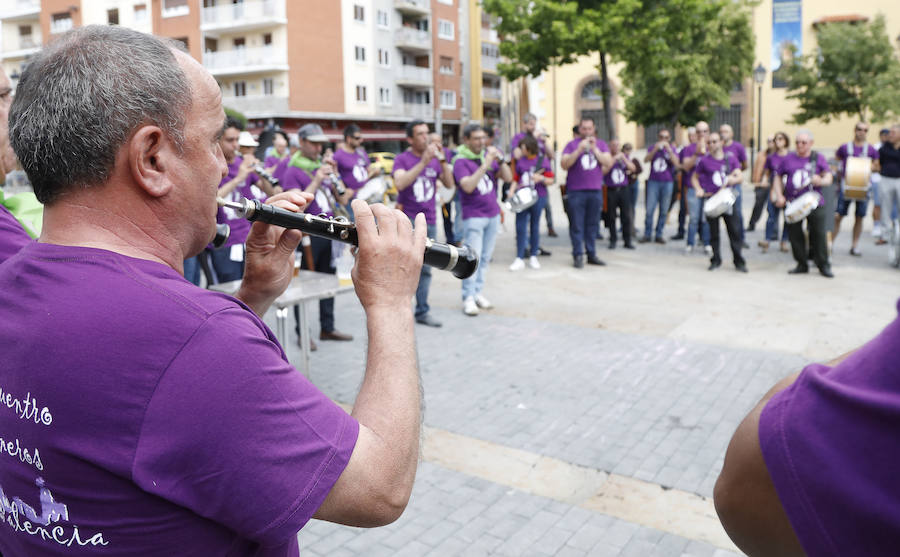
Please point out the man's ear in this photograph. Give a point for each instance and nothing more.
(150, 157)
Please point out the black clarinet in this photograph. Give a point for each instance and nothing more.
(268, 177)
(462, 261)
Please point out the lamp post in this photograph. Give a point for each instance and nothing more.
(759, 75)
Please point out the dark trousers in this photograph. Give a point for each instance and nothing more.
(619, 198)
(225, 269)
(682, 206)
(321, 255)
(818, 244)
(584, 220)
(733, 227)
(762, 196)
(447, 216)
(548, 213)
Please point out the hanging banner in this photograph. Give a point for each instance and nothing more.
(787, 37)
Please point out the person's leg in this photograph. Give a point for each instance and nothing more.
(890, 193)
(593, 205)
(798, 244)
(548, 215)
(613, 200)
(759, 201)
(693, 205)
(772, 221)
(626, 209)
(862, 207)
(577, 215)
(457, 220)
(841, 211)
(488, 242)
(473, 236)
(422, 307)
(703, 224)
(653, 199)
(664, 197)
(818, 243)
(738, 209)
(732, 227)
(716, 258)
(683, 210)
(535, 223)
(522, 233)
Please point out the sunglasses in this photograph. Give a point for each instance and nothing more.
(862, 129)
(357, 137)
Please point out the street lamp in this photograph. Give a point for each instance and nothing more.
(759, 75)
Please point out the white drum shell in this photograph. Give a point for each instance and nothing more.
(523, 199)
(373, 191)
(719, 203)
(800, 208)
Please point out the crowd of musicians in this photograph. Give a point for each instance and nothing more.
(703, 180)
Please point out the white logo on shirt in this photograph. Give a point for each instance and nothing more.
(800, 179)
(423, 189)
(660, 165)
(618, 177)
(588, 161)
(485, 186)
(718, 178)
(360, 173)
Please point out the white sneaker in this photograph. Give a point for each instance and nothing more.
(689, 249)
(533, 262)
(517, 265)
(483, 302)
(876, 229)
(469, 306)
(707, 250)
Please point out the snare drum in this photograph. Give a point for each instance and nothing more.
(373, 191)
(522, 199)
(857, 174)
(720, 203)
(800, 208)
(445, 195)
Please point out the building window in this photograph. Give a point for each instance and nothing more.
(359, 13)
(60, 23)
(360, 53)
(591, 90)
(240, 88)
(384, 59)
(172, 8)
(361, 93)
(448, 99)
(446, 65)
(268, 86)
(445, 29)
(140, 13)
(267, 39)
(112, 16)
(384, 96)
(383, 21)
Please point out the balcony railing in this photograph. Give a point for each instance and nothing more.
(257, 105)
(410, 37)
(61, 25)
(491, 93)
(415, 110)
(11, 9)
(27, 42)
(490, 35)
(244, 58)
(415, 74)
(244, 13)
(489, 63)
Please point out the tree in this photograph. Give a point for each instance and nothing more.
(682, 58)
(855, 71)
(540, 33)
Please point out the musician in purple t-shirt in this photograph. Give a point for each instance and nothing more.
(663, 164)
(729, 145)
(416, 172)
(352, 160)
(720, 169)
(690, 155)
(476, 169)
(812, 469)
(159, 418)
(615, 179)
(859, 147)
(584, 159)
(800, 173)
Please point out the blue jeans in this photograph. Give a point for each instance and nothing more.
(772, 223)
(532, 216)
(422, 306)
(658, 193)
(480, 234)
(584, 220)
(739, 209)
(695, 210)
(226, 270)
(192, 269)
(457, 219)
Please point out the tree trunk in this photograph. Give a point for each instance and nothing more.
(607, 94)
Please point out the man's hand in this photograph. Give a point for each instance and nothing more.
(269, 261)
(389, 258)
(247, 166)
(431, 152)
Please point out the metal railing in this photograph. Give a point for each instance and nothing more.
(415, 73)
(410, 36)
(244, 12)
(415, 110)
(244, 58)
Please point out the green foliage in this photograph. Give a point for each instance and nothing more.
(854, 72)
(239, 116)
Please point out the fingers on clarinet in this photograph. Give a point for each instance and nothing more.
(404, 225)
(387, 222)
(365, 222)
(421, 230)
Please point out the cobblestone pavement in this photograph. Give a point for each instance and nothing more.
(639, 372)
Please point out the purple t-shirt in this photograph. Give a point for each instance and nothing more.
(279, 164)
(857, 151)
(772, 163)
(12, 236)
(796, 173)
(520, 136)
(353, 167)
(712, 172)
(587, 172)
(662, 166)
(240, 227)
(685, 154)
(525, 170)
(482, 202)
(736, 149)
(829, 442)
(418, 197)
(158, 418)
(617, 177)
(297, 178)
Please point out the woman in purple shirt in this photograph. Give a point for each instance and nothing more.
(532, 170)
(767, 176)
(714, 171)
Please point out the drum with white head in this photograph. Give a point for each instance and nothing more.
(800, 208)
(373, 191)
(857, 174)
(720, 203)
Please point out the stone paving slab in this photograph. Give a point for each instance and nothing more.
(440, 521)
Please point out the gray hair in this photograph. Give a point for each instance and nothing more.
(84, 95)
(529, 117)
(804, 132)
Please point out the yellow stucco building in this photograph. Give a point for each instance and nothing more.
(562, 94)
